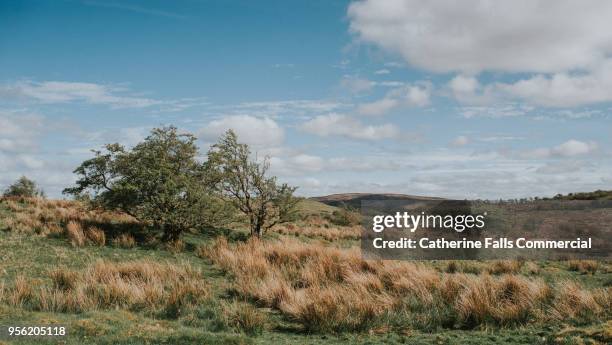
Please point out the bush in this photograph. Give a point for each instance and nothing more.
(344, 217)
(159, 182)
(25, 188)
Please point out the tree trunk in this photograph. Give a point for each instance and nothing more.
(256, 228)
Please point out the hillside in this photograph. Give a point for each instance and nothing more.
(353, 200)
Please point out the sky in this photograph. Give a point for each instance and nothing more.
(458, 99)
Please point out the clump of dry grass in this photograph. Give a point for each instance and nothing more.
(167, 289)
(125, 241)
(583, 266)
(328, 233)
(175, 246)
(505, 267)
(96, 236)
(75, 233)
(244, 317)
(329, 289)
(50, 217)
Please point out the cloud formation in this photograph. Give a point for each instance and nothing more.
(342, 125)
(50, 92)
(260, 132)
(471, 36)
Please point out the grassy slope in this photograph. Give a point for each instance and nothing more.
(33, 256)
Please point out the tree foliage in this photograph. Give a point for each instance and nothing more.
(260, 198)
(159, 181)
(24, 187)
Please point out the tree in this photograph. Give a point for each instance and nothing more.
(264, 202)
(24, 187)
(159, 182)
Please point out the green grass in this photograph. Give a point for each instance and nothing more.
(33, 256)
(313, 207)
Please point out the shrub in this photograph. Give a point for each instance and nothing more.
(24, 188)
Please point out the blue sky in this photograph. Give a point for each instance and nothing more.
(462, 100)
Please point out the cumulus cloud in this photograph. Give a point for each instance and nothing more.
(260, 132)
(417, 95)
(566, 44)
(564, 89)
(342, 125)
(475, 35)
(570, 148)
(65, 92)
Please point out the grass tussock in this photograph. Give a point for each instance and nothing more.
(329, 289)
(505, 267)
(244, 317)
(125, 241)
(164, 289)
(96, 236)
(583, 266)
(75, 234)
(56, 218)
(328, 233)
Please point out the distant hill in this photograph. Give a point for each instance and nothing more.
(353, 200)
(596, 195)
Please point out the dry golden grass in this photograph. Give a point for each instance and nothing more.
(583, 266)
(59, 217)
(505, 266)
(96, 236)
(74, 230)
(244, 317)
(326, 288)
(328, 233)
(125, 241)
(138, 285)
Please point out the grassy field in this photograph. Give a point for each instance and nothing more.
(110, 282)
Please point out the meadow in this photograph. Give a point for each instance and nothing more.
(111, 282)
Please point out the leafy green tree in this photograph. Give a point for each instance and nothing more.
(260, 198)
(24, 187)
(159, 182)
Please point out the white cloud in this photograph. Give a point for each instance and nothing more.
(570, 148)
(417, 95)
(342, 125)
(382, 71)
(573, 148)
(564, 89)
(260, 132)
(474, 35)
(66, 92)
(496, 110)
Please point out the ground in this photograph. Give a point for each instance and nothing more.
(34, 255)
